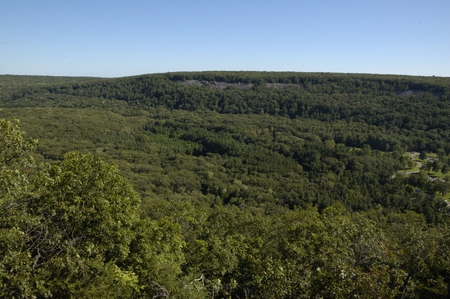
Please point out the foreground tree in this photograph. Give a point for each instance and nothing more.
(67, 229)
(86, 213)
(16, 189)
(64, 227)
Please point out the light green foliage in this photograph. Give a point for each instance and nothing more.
(156, 255)
(88, 199)
(16, 165)
(86, 215)
(336, 255)
(15, 160)
(72, 229)
(423, 252)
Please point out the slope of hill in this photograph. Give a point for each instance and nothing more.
(330, 137)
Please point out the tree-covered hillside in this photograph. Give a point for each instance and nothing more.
(266, 185)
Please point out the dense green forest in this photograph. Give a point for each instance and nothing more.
(225, 185)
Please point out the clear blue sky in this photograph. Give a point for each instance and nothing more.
(120, 38)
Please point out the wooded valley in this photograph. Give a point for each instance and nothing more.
(225, 185)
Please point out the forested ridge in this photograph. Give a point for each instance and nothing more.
(249, 185)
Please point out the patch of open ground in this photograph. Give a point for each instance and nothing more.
(224, 85)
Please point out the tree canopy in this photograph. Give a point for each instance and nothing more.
(224, 185)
